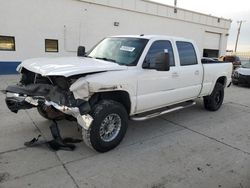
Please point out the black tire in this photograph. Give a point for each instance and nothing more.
(100, 112)
(214, 101)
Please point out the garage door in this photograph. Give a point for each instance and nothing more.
(212, 41)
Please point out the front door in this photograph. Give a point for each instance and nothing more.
(157, 88)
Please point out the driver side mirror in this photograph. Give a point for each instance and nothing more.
(160, 62)
(81, 51)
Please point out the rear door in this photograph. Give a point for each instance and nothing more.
(191, 71)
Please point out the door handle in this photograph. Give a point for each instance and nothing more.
(175, 74)
(196, 72)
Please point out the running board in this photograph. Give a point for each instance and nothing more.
(156, 114)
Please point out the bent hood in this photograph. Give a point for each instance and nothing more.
(68, 66)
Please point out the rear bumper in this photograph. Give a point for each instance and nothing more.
(22, 97)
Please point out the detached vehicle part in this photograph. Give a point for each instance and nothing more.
(121, 78)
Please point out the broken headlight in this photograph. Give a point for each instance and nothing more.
(27, 77)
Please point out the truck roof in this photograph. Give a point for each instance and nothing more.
(152, 36)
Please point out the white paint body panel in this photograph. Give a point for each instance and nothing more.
(212, 72)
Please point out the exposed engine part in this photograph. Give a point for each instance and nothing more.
(61, 82)
(29, 77)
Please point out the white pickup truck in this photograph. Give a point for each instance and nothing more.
(121, 78)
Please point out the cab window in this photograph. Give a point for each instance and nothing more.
(187, 53)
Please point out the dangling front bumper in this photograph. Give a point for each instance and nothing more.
(26, 97)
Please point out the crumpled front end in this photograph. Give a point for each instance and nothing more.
(52, 94)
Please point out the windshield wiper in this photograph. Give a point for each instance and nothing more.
(106, 59)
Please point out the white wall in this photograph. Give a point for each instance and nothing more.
(74, 22)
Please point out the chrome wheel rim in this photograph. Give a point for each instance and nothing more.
(110, 127)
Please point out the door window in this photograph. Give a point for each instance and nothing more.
(158, 47)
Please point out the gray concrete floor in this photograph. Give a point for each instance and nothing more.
(189, 148)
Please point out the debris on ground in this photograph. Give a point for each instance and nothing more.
(4, 177)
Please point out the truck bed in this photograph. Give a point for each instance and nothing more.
(212, 71)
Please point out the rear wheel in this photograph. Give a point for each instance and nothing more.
(108, 127)
(214, 101)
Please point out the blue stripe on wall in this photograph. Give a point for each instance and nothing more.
(8, 67)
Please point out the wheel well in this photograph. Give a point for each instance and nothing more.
(118, 96)
(222, 80)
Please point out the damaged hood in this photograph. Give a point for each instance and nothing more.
(68, 66)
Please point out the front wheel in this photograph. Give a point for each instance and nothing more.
(214, 101)
(108, 127)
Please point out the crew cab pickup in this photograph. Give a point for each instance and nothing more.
(121, 78)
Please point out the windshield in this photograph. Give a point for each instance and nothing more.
(122, 50)
(246, 65)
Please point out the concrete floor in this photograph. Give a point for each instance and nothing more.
(189, 148)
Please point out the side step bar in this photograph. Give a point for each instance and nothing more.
(156, 114)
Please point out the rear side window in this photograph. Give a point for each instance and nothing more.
(158, 47)
(187, 53)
